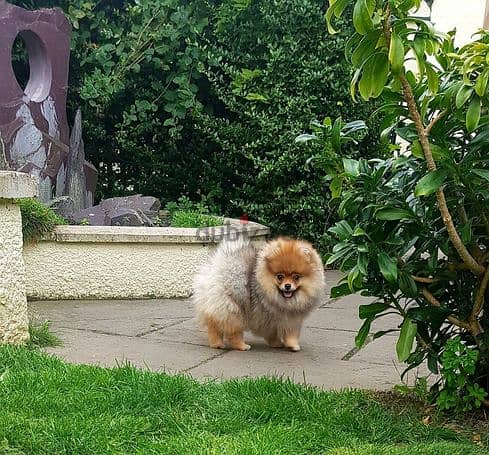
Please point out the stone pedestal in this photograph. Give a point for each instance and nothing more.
(14, 326)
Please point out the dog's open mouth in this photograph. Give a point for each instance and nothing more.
(287, 294)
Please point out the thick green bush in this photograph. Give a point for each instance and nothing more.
(272, 69)
(204, 99)
(414, 232)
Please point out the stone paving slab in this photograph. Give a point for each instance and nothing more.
(119, 317)
(163, 335)
(80, 346)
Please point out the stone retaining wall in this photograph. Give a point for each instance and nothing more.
(111, 262)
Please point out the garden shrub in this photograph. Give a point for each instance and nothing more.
(204, 99)
(414, 232)
(186, 213)
(272, 69)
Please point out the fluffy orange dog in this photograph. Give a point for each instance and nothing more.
(268, 290)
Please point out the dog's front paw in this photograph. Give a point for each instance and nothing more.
(240, 346)
(293, 348)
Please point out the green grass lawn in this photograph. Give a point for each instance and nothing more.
(50, 407)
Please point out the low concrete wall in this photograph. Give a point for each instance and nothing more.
(100, 262)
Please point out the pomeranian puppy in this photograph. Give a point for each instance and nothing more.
(267, 289)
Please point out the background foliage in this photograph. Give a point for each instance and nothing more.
(204, 99)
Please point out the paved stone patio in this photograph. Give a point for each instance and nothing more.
(162, 335)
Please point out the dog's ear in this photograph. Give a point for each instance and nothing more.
(272, 254)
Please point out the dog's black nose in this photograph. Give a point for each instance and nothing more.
(287, 287)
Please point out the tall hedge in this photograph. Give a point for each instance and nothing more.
(272, 69)
(205, 98)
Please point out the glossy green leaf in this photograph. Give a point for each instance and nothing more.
(429, 314)
(393, 213)
(336, 8)
(439, 153)
(484, 173)
(358, 232)
(464, 93)
(407, 285)
(416, 149)
(362, 263)
(481, 83)
(430, 183)
(433, 79)
(406, 338)
(433, 363)
(342, 230)
(352, 278)
(351, 167)
(336, 135)
(466, 233)
(337, 256)
(328, 16)
(396, 53)
(365, 48)
(362, 20)
(387, 266)
(340, 291)
(354, 82)
(374, 76)
(473, 114)
(371, 310)
(335, 187)
(339, 7)
(363, 333)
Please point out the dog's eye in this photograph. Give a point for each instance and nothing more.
(280, 277)
(296, 277)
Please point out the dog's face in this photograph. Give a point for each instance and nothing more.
(288, 283)
(290, 267)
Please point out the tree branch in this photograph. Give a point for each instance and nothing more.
(479, 303)
(430, 298)
(426, 147)
(422, 279)
(464, 254)
(435, 119)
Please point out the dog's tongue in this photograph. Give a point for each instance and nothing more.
(287, 294)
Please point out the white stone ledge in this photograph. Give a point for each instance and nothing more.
(103, 262)
(17, 185)
(130, 234)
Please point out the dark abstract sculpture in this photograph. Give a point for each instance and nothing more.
(34, 133)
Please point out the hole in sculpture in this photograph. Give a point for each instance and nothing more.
(31, 66)
(20, 62)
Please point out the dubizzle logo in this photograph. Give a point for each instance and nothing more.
(229, 231)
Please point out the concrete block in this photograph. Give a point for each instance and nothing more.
(17, 185)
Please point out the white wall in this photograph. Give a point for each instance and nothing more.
(466, 16)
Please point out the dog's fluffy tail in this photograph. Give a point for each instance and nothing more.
(230, 247)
